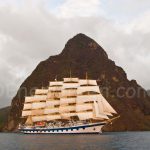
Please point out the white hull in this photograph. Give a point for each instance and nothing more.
(81, 129)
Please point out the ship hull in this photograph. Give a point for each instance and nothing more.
(80, 129)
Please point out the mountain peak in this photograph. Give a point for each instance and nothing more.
(80, 35)
(81, 45)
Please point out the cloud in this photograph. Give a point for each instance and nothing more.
(31, 33)
(125, 10)
(84, 8)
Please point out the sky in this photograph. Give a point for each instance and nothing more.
(33, 30)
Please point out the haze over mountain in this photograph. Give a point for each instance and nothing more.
(82, 54)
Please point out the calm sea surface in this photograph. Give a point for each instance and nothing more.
(105, 141)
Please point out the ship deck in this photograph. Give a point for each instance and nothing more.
(87, 128)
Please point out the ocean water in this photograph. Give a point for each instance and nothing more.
(105, 141)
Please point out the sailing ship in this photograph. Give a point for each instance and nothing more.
(70, 106)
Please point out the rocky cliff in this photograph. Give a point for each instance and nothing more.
(4, 112)
(82, 54)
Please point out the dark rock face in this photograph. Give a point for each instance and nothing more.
(82, 54)
(3, 117)
(148, 92)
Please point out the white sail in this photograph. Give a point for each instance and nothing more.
(38, 98)
(70, 85)
(27, 106)
(68, 115)
(98, 113)
(52, 95)
(71, 79)
(51, 103)
(67, 100)
(38, 105)
(107, 107)
(52, 117)
(83, 89)
(101, 106)
(87, 82)
(26, 113)
(56, 83)
(55, 88)
(69, 93)
(39, 118)
(51, 110)
(29, 99)
(67, 108)
(91, 98)
(29, 121)
(35, 98)
(41, 91)
(84, 107)
(37, 112)
(86, 98)
(85, 115)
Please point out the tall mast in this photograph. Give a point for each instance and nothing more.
(56, 78)
(86, 76)
(42, 85)
(87, 80)
(70, 73)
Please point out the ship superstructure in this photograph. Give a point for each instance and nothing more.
(70, 106)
